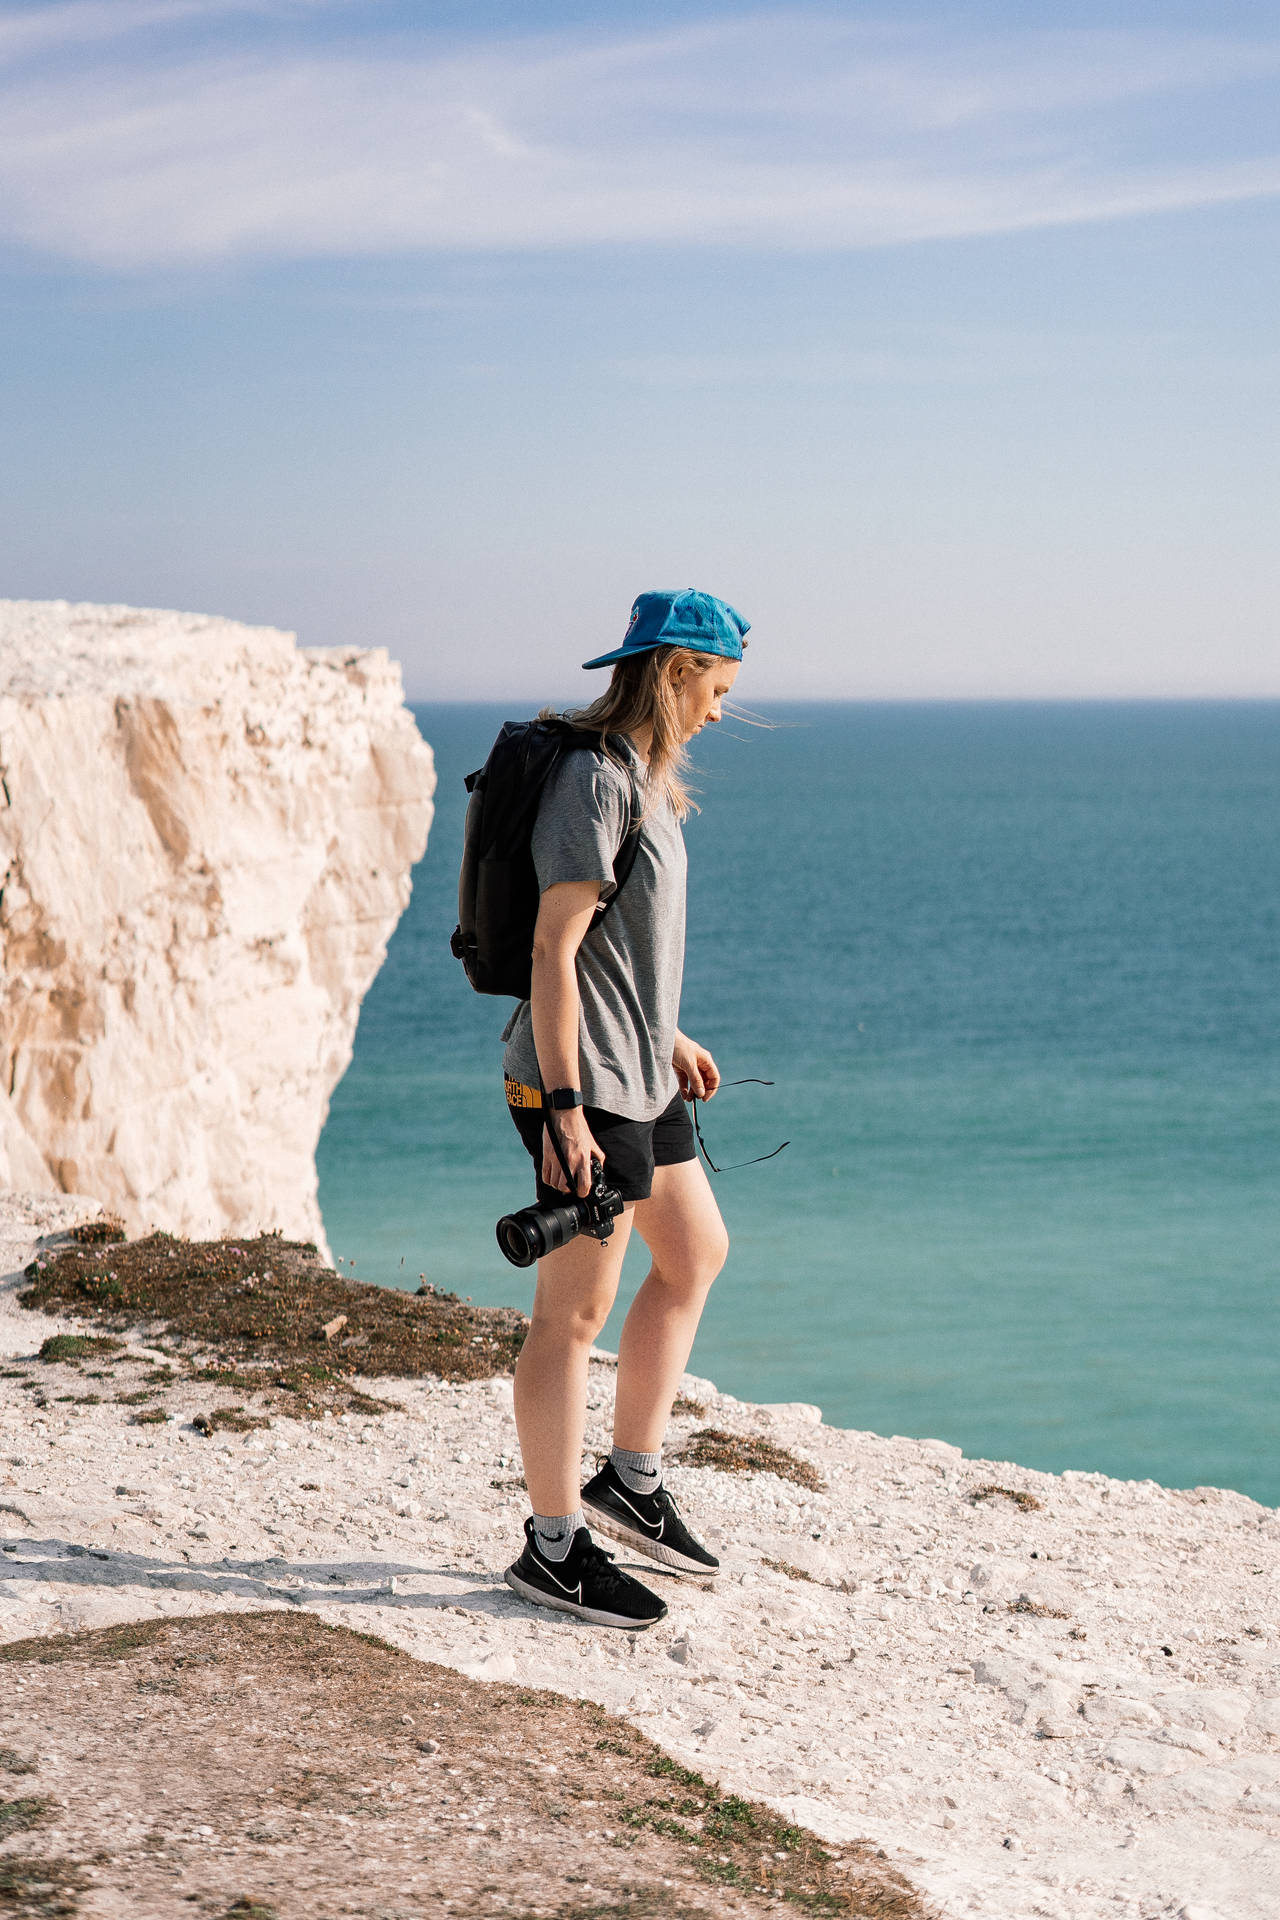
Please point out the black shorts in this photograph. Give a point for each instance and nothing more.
(632, 1148)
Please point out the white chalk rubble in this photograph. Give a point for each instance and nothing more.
(1069, 1711)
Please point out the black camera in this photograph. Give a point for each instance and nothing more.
(535, 1231)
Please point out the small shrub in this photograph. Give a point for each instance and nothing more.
(19, 1816)
(745, 1453)
(229, 1420)
(1027, 1502)
(96, 1233)
(785, 1566)
(76, 1346)
(43, 1887)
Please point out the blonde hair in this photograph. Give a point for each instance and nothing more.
(642, 693)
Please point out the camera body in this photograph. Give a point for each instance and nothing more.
(536, 1231)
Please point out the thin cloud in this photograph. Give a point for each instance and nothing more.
(78, 24)
(953, 357)
(777, 132)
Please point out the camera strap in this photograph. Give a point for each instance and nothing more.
(554, 1132)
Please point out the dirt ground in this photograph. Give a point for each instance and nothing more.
(264, 1766)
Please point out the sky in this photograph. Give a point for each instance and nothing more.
(940, 339)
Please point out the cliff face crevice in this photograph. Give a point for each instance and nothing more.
(206, 838)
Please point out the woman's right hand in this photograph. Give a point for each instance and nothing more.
(579, 1150)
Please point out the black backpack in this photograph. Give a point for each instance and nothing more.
(498, 887)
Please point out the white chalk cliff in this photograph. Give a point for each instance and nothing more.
(206, 836)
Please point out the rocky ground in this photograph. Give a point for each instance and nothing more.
(1039, 1695)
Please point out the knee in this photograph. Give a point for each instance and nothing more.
(699, 1264)
(575, 1326)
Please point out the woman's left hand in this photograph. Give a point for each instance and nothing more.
(697, 1072)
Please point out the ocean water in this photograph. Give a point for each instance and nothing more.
(1014, 972)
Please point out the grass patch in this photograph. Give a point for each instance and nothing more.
(96, 1233)
(246, 1909)
(628, 1903)
(1027, 1502)
(100, 1643)
(76, 1346)
(1037, 1607)
(741, 1843)
(13, 1762)
(19, 1816)
(229, 1420)
(745, 1453)
(792, 1573)
(34, 1889)
(246, 1314)
(663, 1767)
(153, 1417)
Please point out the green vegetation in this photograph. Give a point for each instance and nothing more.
(263, 1316)
(19, 1816)
(745, 1453)
(76, 1346)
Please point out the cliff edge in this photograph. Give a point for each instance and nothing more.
(206, 837)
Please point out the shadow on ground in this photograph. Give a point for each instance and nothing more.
(348, 1582)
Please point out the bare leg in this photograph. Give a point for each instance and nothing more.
(576, 1288)
(681, 1226)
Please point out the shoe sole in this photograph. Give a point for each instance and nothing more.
(595, 1615)
(600, 1520)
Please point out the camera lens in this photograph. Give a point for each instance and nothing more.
(517, 1243)
(535, 1231)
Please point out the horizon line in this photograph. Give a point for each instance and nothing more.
(927, 700)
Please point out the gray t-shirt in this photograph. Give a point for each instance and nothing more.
(631, 962)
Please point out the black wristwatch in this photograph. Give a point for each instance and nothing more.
(562, 1097)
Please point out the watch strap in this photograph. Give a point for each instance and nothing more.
(561, 1098)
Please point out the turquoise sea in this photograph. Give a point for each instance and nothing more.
(1015, 971)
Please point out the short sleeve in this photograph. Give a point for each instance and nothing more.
(581, 823)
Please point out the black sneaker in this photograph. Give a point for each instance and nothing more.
(585, 1582)
(649, 1523)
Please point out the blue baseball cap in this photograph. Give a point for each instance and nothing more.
(689, 619)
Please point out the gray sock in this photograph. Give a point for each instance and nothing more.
(554, 1532)
(642, 1472)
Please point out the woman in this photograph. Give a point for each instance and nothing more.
(599, 1033)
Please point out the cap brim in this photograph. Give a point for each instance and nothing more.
(651, 646)
(622, 653)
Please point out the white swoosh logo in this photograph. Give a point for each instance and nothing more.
(575, 1593)
(646, 1524)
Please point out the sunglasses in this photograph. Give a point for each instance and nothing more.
(737, 1163)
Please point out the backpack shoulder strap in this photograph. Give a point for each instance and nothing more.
(583, 739)
(630, 846)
